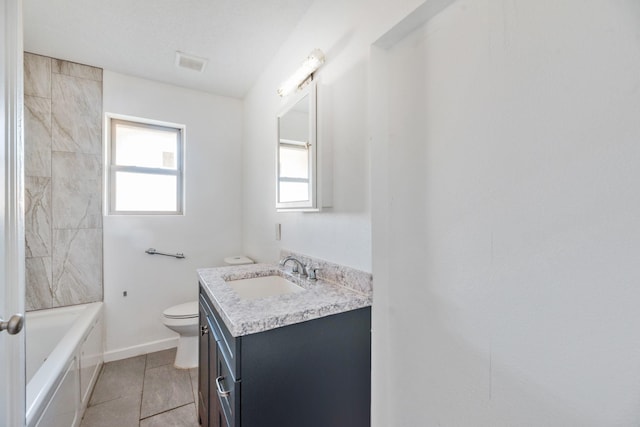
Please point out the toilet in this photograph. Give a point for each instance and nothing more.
(183, 319)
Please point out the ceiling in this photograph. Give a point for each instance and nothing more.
(141, 37)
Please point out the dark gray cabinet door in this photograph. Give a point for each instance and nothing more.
(203, 368)
(209, 409)
(216, 416)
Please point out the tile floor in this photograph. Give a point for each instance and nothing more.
(144, 391)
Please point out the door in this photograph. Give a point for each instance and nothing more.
(12, 366)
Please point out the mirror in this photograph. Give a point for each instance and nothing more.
(296, 188)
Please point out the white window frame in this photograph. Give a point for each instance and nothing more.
(112, 168)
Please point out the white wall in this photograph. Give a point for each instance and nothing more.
(342, 234)
(505, 204)
(209, 230)
(511, 220)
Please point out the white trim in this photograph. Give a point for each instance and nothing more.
(137, 350)
(382, 229)
(12, 291)
(380, 235)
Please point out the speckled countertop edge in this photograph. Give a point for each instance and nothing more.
(243, 317)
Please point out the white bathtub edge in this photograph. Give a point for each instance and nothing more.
(42, 385)
(137, 350)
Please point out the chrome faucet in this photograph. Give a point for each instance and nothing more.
(298, 267)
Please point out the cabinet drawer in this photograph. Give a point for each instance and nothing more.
(227, 389)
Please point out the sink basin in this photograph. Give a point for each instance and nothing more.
(262, 287)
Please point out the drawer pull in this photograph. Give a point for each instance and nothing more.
(204, 330)
(221, 392)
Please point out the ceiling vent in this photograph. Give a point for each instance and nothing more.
(190, 62)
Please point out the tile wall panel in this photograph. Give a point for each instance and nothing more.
(37, 75)
(37, 219)
(73, 69)
(76, 108)
(77, 185)
(38, 283)
(37, 144)
(63, 182)
(77, 266)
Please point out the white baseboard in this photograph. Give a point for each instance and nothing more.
(137, 350)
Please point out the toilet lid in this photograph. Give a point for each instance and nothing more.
(182, 311)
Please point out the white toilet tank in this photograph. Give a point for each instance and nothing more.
(238, 260)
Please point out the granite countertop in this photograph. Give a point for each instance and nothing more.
(243, 317)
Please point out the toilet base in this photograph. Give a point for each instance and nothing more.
(187, 353)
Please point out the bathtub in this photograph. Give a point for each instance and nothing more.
(64, 354)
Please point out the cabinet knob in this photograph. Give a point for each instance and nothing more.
(204, 330)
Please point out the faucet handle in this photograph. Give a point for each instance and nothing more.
(312, 272)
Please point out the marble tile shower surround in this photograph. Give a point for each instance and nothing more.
(37, 158)
(77, 186)
(76, 108)
(77, 266)
(38, 216)
(63, 182)
(37, 75)
(320, 298)
(38, 283)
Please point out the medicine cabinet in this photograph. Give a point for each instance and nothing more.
(297, 154)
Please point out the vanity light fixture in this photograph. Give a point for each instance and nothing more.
(308, 67)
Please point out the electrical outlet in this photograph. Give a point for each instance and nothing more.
(278, 231)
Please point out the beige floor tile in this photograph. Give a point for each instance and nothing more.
(193, 373)
(122, 412)
(184, 416)
(165, 388)
(159, 358)
(119, 379)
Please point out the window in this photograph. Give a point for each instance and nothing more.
(145, 168)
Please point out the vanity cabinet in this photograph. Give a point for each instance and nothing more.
(316, 373)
